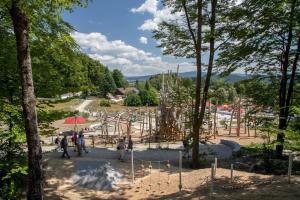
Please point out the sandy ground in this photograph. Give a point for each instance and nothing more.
(164, 183)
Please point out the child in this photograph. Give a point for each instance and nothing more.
(121, 150)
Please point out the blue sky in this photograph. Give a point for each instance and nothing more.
(118, 33)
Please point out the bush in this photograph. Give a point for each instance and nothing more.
(149, 98)
(104, 103)
(133, 100)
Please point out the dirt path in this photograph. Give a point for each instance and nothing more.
(83, 105)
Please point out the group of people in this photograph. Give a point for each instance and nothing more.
(78, 141)
(122, 147)
(79, 144)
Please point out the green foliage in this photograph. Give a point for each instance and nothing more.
(149, 97)
(133, 100)
(119, 79)
(147, 85)
(13, 163)
(104, 103)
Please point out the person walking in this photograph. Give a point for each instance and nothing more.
(74, 140)
(79, 145)
(64, 146)
(57, 143)
(130, 143)
(83, 143)
(121, 149)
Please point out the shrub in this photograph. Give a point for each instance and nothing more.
(133, 100)
(104, 103)
(149, 98)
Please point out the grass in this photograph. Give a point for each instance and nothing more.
(68, 105)
(95, 106)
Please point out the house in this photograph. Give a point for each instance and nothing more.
(131, 90)
(120, 91)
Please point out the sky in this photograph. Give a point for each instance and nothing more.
(118, 33)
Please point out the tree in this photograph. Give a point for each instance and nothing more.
(20, 13)
(21, 30)
(149, 97)
(133, 100)
(108, 84)
(147, 85)
(264, 38)
(119, 79)
(184, 38)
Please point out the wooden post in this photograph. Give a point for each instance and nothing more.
(143, 127)
(231, 173)
(238, 128)
(230, 124)
(93, 141)
(216, 165)
(212, 178)
(215, 121)
(180, 170)
(255, 134)
(149, 126)
(132, 167)
(290, 167)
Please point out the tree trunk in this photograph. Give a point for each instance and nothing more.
(210, 62)
(292, 79)
(197, 45)
(283, 84)
(35, 176)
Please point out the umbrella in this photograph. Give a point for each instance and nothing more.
(75, 120)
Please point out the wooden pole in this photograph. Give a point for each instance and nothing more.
(231, 173)
(230, 123)
(290, 167)
(216, 165)
(132, 167)
(149, 126)
(212, 178)
(238, 128)
(180, 170)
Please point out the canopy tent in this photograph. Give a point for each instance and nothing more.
(75, 120)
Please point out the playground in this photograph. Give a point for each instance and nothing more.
(100, 175)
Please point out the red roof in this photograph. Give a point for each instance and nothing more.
(75, 120)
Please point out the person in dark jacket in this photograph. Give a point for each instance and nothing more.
(130, 144)
(64, 146)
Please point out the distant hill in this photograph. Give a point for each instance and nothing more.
(231, 78)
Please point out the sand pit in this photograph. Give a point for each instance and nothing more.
(95, 174)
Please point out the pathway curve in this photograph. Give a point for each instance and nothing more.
(83, 105)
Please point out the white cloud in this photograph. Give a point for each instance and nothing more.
(143, 40)
(158, 15)
(117, 54)
(149, 6)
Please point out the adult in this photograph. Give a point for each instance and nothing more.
(83, 143)
(130, 143)
(74, 139)
(64, 146)
(79, 145)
